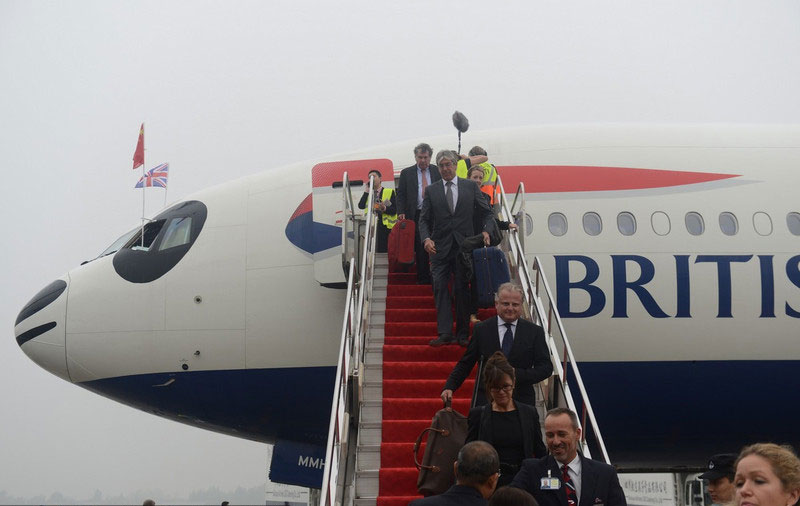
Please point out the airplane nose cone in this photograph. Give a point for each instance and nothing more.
(40, 328)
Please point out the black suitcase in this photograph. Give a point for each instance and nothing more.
(491, 271)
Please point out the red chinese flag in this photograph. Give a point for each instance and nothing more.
(138, 155)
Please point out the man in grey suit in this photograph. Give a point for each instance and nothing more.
(410, 187)
(573, 480)
(445, 221)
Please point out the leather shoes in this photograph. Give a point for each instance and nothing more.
(442, 340)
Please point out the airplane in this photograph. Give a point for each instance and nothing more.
(674, 253)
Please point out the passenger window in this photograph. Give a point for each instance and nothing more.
(179, 232)
(557, 223)
(728, 223)
(151, 231)
(694, 223)
(793, 222)
(762, 223)
(626, 223)
(592, 224)
(528, 224)
(660, 223)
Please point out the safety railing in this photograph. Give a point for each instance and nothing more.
(352, 344)
(542, 309)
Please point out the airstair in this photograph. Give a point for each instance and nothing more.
(362, 428)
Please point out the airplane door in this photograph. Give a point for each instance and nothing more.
(328, 207)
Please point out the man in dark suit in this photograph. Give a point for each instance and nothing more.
(574, 479)
(410, 187)
(445, 221)
(526, 351)
(476, 473)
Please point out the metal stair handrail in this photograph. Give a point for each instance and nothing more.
(352, 345)
(540, 304)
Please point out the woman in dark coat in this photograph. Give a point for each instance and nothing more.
(511, 427)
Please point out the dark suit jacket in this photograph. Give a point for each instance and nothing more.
(599, 483)
(529, 356)
(448, 230)
(479, 428)
(407, 188)
(457, 495)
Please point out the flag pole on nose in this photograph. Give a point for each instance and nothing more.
(138, 160)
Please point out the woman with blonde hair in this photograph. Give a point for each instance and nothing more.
(767, 475)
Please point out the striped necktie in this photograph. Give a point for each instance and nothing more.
(569, 487)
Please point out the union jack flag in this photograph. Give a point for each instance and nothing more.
(157, 176)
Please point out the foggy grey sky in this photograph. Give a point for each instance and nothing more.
(231, 88)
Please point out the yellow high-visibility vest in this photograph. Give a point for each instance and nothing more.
(489, 171)
(388, 220)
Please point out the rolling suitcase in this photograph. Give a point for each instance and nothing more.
(401, 246)
(491, 271)
(447, 434)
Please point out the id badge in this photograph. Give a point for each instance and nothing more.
(549, 483)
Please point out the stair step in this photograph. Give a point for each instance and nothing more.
(416, 409)
(423, 389)
(367, 483)
(416, 353)
(410, 302)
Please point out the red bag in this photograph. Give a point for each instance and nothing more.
(401, 246)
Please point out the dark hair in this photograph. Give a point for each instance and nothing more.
(423, 147)
(564, 411)
(477, 462)
(496, 367)
(510, 496)
(477, 150)
(375, 171)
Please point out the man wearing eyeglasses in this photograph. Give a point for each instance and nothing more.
(476, 473)
(521, 341)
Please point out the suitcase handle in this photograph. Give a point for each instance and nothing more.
(435, 469)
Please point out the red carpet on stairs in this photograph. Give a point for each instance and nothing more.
(413, 376)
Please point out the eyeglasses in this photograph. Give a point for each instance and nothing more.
(504, 388)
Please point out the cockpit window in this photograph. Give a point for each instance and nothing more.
(179, 232)
(167, 238)
(119, 243)
(151, 231)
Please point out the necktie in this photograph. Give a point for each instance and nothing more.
(424, 180)
(569, 487)
(508, 340)
(449, 196)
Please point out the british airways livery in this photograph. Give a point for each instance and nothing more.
(674, 253)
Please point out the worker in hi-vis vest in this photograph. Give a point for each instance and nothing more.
(489, 171)
(384, 204)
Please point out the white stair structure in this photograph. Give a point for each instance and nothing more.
(354, 438)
